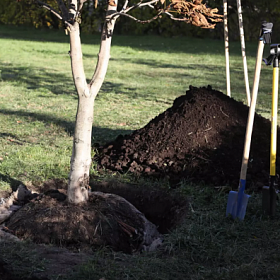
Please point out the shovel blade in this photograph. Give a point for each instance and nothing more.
(235, 208)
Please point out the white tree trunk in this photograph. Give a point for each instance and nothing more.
(81, 154)
(226, 46)
(242, 41)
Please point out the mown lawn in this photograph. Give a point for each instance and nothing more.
(146, 73)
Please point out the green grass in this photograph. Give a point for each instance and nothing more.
(207, 245)
(37, 114)
(38, 100)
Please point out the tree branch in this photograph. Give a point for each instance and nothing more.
(52, 10)
(125, 10)
(63, 9)
(174, 18)
(125, 5)
(81, 3)
(48, 7)
(72, 13)
(135, 19)
(140, 4)
(195, 12)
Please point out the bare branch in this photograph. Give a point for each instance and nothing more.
(48, 7)
(193, 12)
(72, 13)
(63, 9)
(125, 10)
(140, 4)
(81, 3)
(174, 18)
(56, 13)
(134, 18)
(125, 5)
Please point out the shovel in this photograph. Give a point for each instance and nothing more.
(269, 192)
(237, 201)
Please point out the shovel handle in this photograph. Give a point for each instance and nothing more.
(274, 108)
(252, 109)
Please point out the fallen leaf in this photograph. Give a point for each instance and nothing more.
(121, 124)
(112, 3)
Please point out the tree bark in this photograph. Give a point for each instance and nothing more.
(81, 153)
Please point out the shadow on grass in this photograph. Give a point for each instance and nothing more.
(14, 183)
(44, 118)
(182, 44)
(13, 138)
(38, 78)
(99, 134)
(41, 79)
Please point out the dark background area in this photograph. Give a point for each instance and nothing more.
(17, 12)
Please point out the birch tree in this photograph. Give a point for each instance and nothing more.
(192, 12)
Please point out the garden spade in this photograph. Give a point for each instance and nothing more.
(269, 192)
(237, 201)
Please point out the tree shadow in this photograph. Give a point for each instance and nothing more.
(99, 134)
(37, 78)
(182, 44)
(13, 138)
(14, 183)
(117, 88)
(44, 118)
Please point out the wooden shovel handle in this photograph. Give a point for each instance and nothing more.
(226, 46)
(252, 109)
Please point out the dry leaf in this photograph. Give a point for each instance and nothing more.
(121, 124)
(195, 13)
(112, 3)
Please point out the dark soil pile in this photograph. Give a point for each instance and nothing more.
(200, 138)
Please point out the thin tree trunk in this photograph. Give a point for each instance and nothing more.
(81, 154)
(242, 40)
(226, 46)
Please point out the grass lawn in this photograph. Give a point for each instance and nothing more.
(37, 113)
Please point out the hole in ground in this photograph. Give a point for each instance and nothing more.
(163, 209)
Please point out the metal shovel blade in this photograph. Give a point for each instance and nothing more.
(237, 204)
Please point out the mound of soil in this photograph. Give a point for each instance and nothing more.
(199, 139)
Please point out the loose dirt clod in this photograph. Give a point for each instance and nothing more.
(200, 138)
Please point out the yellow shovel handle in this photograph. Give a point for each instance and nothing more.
(274, 109)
